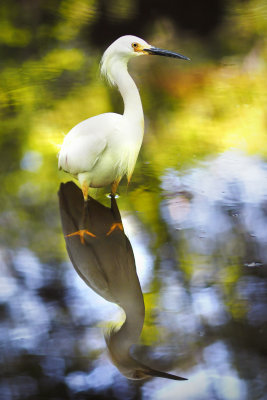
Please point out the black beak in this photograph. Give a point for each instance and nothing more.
(161, 374)
(165, 53)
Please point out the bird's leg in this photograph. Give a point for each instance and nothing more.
(83, 232)
(85, 188)
(129, 177)
(115, 210)
(114, 187)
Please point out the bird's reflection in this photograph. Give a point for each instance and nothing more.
(106, 263)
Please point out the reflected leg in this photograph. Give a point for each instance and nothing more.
(83, 232)
(116, 213)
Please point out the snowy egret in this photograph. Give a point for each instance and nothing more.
(102, 149)
(107, 265)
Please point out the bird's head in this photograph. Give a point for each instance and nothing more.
(139, 371)
(127, 47)
(119, 348)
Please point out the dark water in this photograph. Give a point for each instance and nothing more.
(204, 287)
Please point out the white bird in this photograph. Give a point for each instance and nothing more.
(107, 266)
(101, 150)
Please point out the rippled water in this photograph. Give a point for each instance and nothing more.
(204, 287)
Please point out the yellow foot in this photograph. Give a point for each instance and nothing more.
(81, 233)
(116, 225)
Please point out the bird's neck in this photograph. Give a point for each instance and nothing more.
(120, 342)
(132, 102)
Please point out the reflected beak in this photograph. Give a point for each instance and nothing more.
(160, 374)
(165, 53)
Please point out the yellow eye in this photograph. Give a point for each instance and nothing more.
(134, 45)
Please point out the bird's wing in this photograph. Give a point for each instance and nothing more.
(85, 261)
(85, 143)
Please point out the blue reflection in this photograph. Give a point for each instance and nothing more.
(31, 161)
(207, 282)
(218, 202)
(208, 304)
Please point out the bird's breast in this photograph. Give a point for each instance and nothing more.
(105, 147)
(120, 155)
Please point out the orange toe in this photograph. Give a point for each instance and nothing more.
(115, 225)
(81, 233)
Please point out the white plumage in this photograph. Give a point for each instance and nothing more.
(101, 150)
